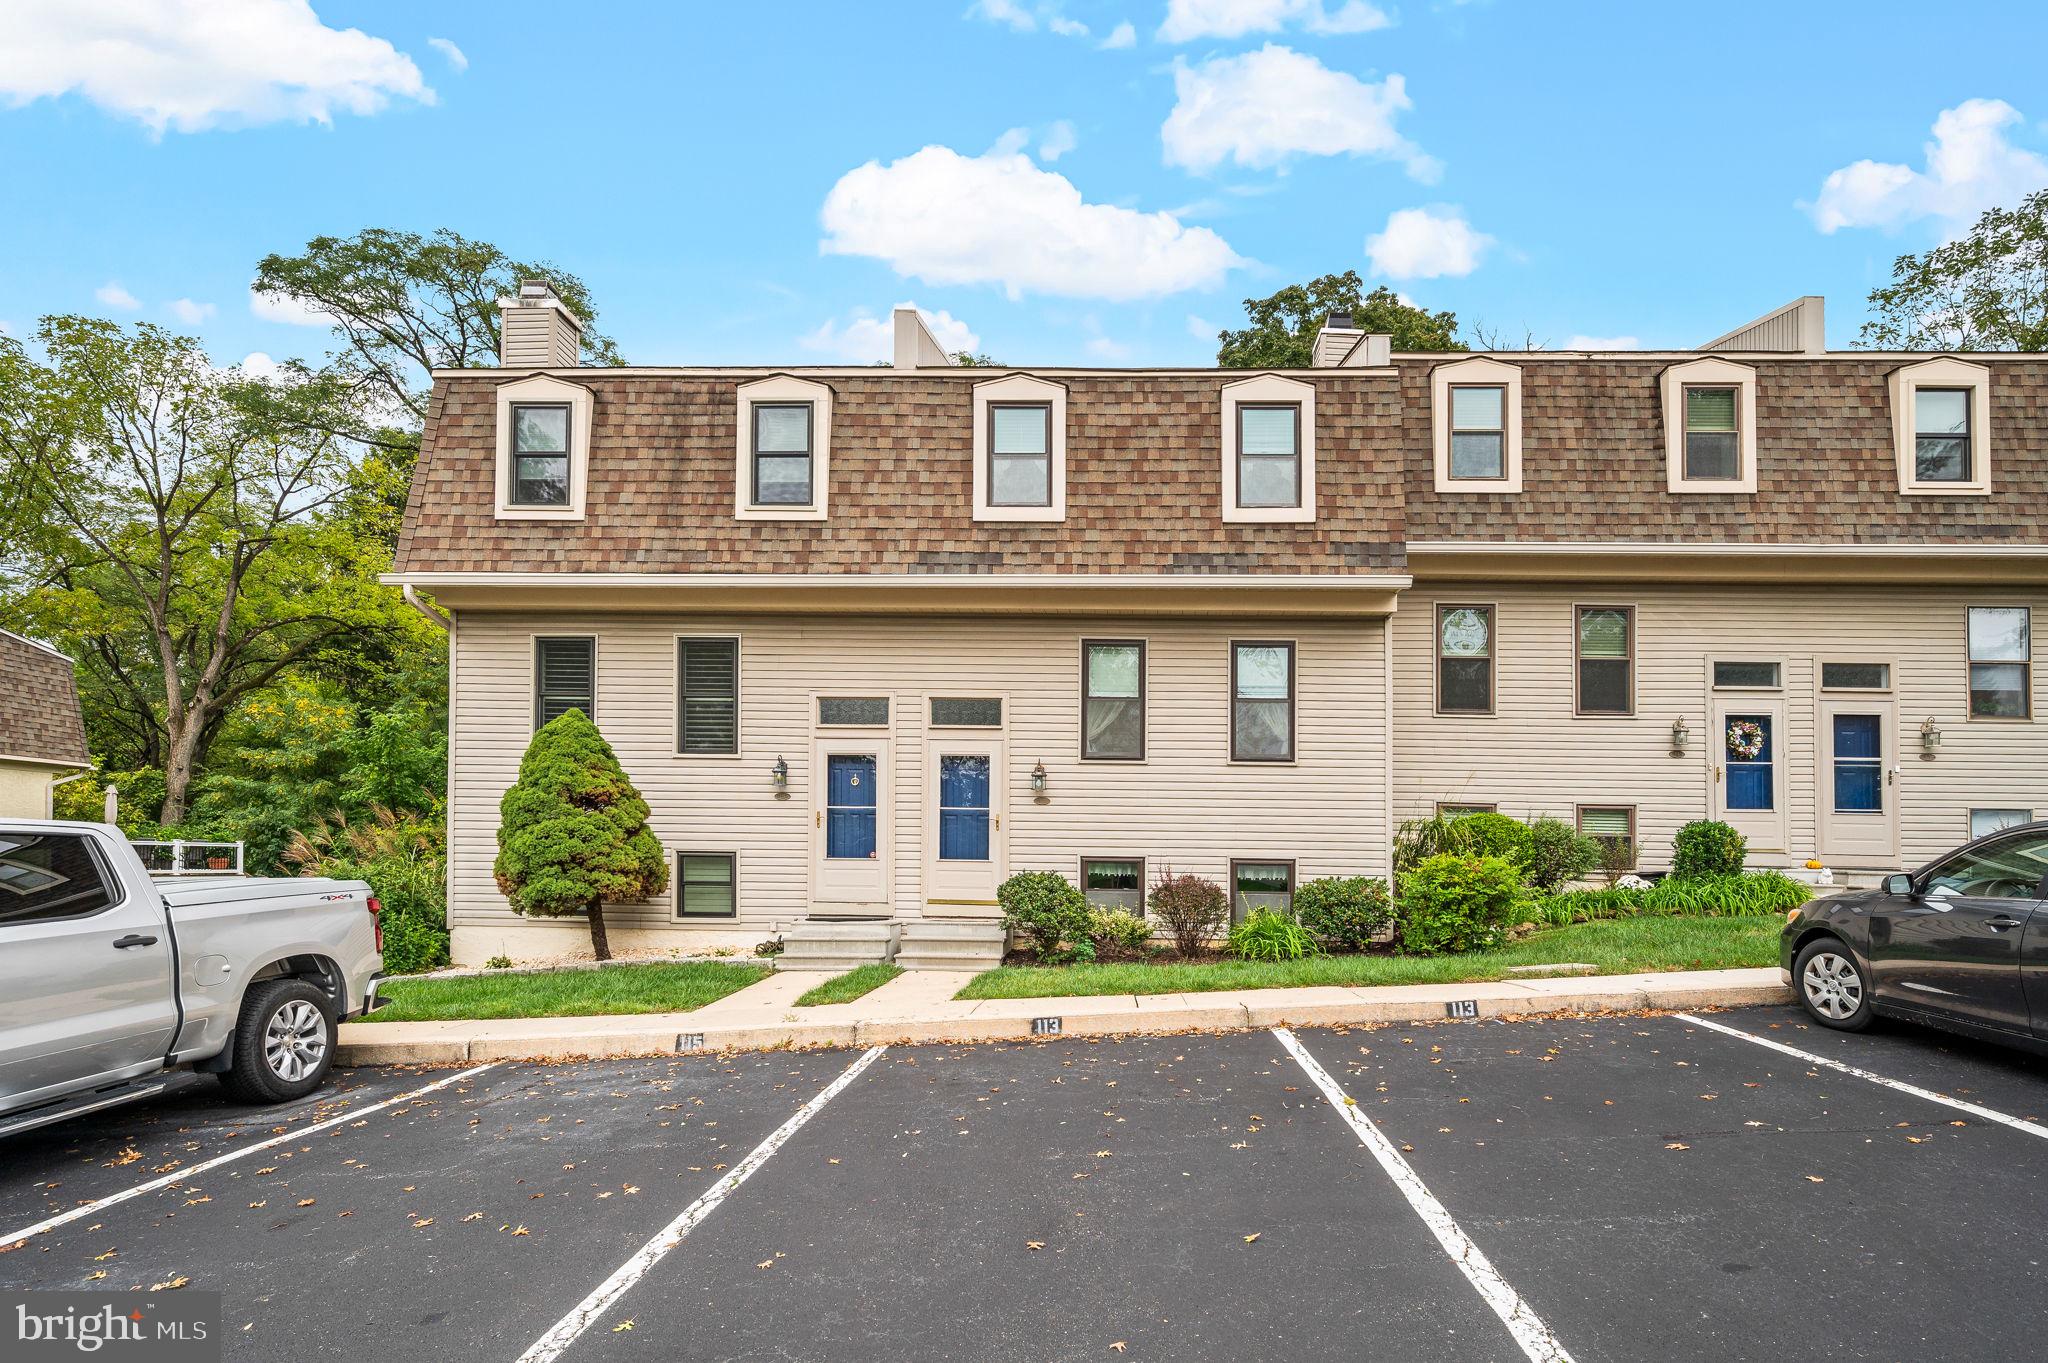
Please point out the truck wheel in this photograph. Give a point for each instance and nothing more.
(284, 1043)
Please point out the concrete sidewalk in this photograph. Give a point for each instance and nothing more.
(918, 1006)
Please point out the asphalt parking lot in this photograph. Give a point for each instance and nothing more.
(1613, 1188)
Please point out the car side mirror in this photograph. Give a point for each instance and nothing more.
(1898, 884)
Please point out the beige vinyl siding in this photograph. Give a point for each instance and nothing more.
(1534, 757)
(1186, 806)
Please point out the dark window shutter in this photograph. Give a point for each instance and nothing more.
(565, 678)
(709, 672)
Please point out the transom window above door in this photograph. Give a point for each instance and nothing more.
(1739, 676)
(860, 712)
(967, 712)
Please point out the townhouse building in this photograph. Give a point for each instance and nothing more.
(870, 639)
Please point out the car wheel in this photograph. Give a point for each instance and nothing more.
(1832, 986)
(284, 1043)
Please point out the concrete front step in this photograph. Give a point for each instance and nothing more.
(940, 944)
(815, 944)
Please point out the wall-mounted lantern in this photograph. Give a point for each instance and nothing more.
(778, 775)
(1038, 783)
(1680, 736)
(1930, 739)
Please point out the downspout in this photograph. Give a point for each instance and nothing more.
(412, 598)
(1387, 779)
(50, 797)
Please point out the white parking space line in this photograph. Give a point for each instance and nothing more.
(569, 1328)
(1523, 1323)
(1988, 1114)
(193, 1171)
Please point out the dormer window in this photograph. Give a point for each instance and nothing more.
(782, 453)
(1476, 425)
(1478, 431)
(1709, 426)
(1269, 456)
(1020, 454)
(541, 454)
(1941, 428)
(1269, 450)
(783, 457)
(1713, 450)
(543, 449)
(1020, 449)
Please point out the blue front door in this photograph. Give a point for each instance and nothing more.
(963, 807)
(1752, 762)
(850, 807)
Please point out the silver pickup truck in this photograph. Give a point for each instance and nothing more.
(110, 980)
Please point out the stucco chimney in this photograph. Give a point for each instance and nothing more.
(536, 330)
(916, 347)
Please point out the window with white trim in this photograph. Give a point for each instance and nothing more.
(1020, 449)
(1476, 425)
(1709, 426)
(782, 458)
(1985, 822)
(1269, 450)
(543, 449)
(1941, 420)
(1606, 645)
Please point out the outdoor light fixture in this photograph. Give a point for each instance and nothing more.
(779, 775)
(1038, 782)
(1680, 736)
(1930, 739)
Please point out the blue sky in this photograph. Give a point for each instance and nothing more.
(1068, 182)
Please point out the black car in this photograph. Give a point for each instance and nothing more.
(1961, 943)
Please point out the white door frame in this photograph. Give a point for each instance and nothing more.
(1857, 838)
(845, 887)
(1766, 829)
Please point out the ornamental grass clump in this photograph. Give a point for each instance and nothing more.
(1264, 935)
(572, 831)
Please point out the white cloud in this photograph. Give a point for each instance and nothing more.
(1026, 19)
(864, 338)
(1263, 107)
(276, 307)
(1059, 140)
(114, 296)
(189, 312)
(1604, 343)
(1123, 35)
(1201, 328)
(258, 365)
(189, 65)
(945, 218)
(1102, 348)
(1065, 27)
(1971, 165)
(1426, 243)
(457, 58)
(1187, 20)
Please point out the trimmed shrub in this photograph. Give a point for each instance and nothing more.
(1117, 932)
(1706, 848)
(1047, 914)
(1263, 935)
(572, 831)
(1453, 904)
(1558, 854)
(1194, 910)
(1344, 912)
(1492, 835)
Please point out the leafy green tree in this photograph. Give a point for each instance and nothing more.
(182, 531)
(572, 830)
(1986, 291)
(1283, 325)
(404, 304)
(967, 359)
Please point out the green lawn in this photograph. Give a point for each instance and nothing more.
(850, 986)
(1613, 947)
(659, 987)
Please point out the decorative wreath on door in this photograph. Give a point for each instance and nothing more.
(1745, 740)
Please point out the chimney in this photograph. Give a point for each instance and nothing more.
(1798, 328)
(536, 330)
(916, 347)
(1340, 345)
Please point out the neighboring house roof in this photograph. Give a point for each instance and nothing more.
(39, 715)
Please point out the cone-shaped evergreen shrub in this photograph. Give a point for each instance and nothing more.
(572, 831)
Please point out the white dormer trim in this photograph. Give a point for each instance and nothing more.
(1476, 372)
(544, 388)
(1716, 373)
(773, 389)
(1020, 388)
(1906, 382)
(1269, 388)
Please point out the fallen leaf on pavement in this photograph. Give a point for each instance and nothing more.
(1253, 1236)
(1034, 1245)
(171, 1286)
(1676, 1145)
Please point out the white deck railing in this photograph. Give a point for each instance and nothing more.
(182, 857)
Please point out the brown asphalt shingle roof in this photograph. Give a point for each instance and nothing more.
(39, 715)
